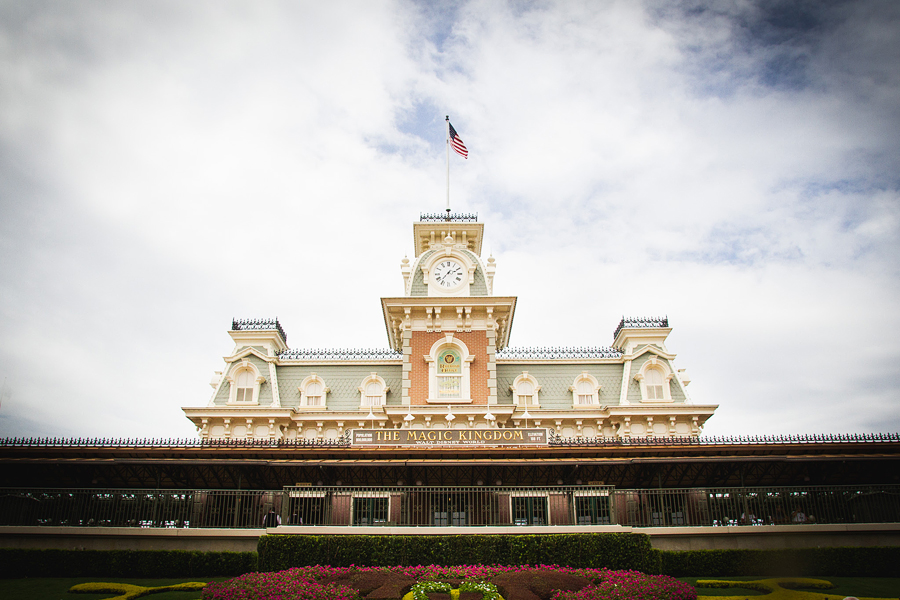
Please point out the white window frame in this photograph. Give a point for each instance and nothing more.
(244, 366)
(304, 397)
(594, 387)
(465, 391)
(516, 386)
(364, 398)
(662, 366)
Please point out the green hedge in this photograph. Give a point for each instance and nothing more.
(610, 550)
(837, 562)
(17, 563)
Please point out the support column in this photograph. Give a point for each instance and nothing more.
(406, 384)
(492, 365)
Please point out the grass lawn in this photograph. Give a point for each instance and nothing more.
(870, 587)
(57, 588)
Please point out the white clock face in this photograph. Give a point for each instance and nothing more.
(448, 274)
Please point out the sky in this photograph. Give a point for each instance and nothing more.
(168, 166)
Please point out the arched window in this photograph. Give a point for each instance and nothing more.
(654, 378)
(585, 391)
(245, 384)
(448, 371)
(525, 393)
(373, 394)
(245, 381)
(525, 390)
(654, 384)
(313, 392)
(373, 391)
(449, 375)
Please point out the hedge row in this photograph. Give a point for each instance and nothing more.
(880, 561)
(591, 550)
(18, 563)
(599, 550)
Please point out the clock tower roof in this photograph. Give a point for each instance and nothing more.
(433, 228)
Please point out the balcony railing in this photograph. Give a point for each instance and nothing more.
(423, 506)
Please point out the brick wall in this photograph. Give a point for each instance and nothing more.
(421, 343)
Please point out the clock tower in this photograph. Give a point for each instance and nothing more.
(448, 325)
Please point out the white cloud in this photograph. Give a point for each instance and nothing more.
(168, 167)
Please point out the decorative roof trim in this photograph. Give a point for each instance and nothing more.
(442, 217)
(641, 323)
(556, 352)
(259, 325)
(340, 354)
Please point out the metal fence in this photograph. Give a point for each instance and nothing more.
(136, 508)
(422, 506)
(758, 506)
(449, 506)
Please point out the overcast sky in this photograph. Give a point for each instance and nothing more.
(167, 166)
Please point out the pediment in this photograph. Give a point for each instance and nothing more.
(652, 349)
(247, 351)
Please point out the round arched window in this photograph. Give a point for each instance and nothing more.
(525, 392)
(585, 391)
(245, 386)
(449, 374)
(654, 382)
(314, 393)
(373, 394)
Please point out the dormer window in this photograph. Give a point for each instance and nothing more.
(245, 381)
(585, 391)
(373, 391)
(654, 384)
(313, 392)
(525, 390)
(654, 378)
(245, 384)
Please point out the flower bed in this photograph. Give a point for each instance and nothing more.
(543, 582)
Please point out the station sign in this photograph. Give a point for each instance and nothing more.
(449, 437)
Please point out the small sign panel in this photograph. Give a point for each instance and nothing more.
(449, 437)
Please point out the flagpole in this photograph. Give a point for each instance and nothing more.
(448, 166)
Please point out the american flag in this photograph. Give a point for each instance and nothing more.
(457, 143)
